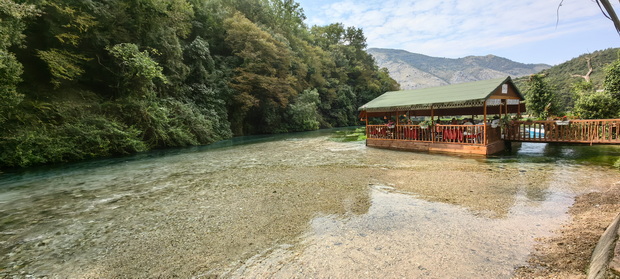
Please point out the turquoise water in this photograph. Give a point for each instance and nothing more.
(294, 205)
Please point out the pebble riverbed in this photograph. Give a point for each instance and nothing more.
(295, 207)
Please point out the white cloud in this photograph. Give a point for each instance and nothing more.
(456, 28)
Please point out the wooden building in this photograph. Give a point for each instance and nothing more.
(393, 119)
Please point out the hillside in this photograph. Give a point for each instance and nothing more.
(414, 70)
(560, 77)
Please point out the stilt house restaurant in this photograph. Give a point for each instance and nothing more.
(462, 118)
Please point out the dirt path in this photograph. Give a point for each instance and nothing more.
(567, 255)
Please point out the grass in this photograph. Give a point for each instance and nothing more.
(359, 134)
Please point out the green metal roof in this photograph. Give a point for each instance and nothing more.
(462, 94)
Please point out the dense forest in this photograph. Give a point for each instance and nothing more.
(84, 79)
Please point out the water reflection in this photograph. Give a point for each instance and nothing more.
(403, 236)
(564, 153)
(289, 206)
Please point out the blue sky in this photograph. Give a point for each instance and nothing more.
(521, 30)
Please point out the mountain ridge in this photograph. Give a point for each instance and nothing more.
(414, 70)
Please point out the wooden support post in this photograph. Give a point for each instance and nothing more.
(366, 117)
(395, 132)
(500, 109)
(486, 131)
(432, 128)
(397, 117)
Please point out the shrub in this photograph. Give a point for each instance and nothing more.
(91, 137)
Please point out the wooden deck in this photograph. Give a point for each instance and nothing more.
(593, 131)
(456, 134)
(470, 139)
(483, 139)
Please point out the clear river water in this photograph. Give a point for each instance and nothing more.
(292, 206)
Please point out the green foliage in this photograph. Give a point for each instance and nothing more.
(601, 104)
(13, 22)
(200, 61)
(540, 99)
(611, 83)
(561, 77)
(596, 105)
(70, 23)
(130, 75)
(263, 77)
(90, 137)
(582, 87)
(168, 122)
(303, 113)
(136, 70)
(359, 134)
(10, 72)
(617, 163)
(13, 18)
(62, 64)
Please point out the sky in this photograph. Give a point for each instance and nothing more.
(526, 31)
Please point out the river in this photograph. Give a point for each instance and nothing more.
(292, 206)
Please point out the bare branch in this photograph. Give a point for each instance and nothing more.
(590, 70)
(611, 14)
(558, 15)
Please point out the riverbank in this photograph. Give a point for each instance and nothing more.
(567, 254)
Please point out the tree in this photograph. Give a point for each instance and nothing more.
(596, 105)
(600, 104)
(98, 78)
(586, 77)
(302, 113)
(136, 70)
(14, 17)
(540, 100)
(611, 84)
(10, 72)
(263, 77)
(608, 11)
(60, 52)
(13, 21)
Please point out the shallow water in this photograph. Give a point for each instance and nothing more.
(297, 205)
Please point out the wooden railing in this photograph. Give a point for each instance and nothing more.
(573, 131)
(458, 134)
(399, 132)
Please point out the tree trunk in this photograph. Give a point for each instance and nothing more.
(590, 70)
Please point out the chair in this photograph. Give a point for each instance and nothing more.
(448, 134)
(410, 133)
(438, 133)
(382, 133)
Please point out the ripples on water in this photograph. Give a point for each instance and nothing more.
(296, 205)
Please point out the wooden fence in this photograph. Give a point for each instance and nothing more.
(599, 131)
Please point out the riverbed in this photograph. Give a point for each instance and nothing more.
(298, 205)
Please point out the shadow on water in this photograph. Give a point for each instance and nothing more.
(561, 153)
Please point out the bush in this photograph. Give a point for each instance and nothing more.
(596, 105)
(90, 137)
(167, 122)
(303, 113)
(10, 72)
